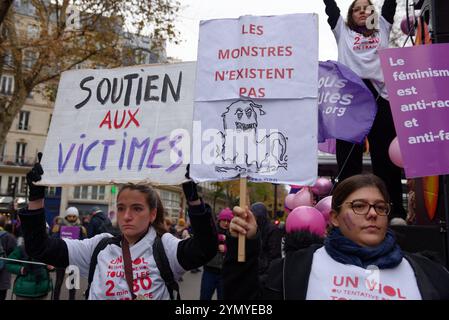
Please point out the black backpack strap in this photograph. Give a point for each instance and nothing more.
(94, 259)
(164, 268)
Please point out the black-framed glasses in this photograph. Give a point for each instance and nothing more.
(362, 207)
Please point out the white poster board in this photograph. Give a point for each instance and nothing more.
(120, 125)
(269, 57)
(256, 100)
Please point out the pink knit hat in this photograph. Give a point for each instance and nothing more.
(225, 214)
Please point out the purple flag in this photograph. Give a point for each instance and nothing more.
(328, 146)
(70, 232)
(346, 106)
(417, 80)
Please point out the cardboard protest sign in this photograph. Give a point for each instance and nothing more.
(417, 80)
(120, 125)
(255, 118)
(270, 57)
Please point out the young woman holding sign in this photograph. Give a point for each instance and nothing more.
(360, 258)
(358, 40)
(132, 265)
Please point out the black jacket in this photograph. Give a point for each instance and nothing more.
(271, 242)
(288, 277)
(191, 253)
(95, 224)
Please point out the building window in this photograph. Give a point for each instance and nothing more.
(29, 59)
(101, 192)
(51, 191)
(13, 183)
(76, 193)
(7, 84)
(171, 201)
(2, 152)
(20, 152)
(8, 59)
(32, 31)
(25, 5)
(141, 56)
(89, 192)
(24, 117)
(84, 192)
(94, 193)
(23, 185)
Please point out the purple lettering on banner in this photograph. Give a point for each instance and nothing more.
(70, 232)
(135, 144)
(173, 144)
(154, 151)
(79, 155)
(122, 153)
(106, 144)
(346, 106)
(86, 154)
(417, 80)
(62, 164)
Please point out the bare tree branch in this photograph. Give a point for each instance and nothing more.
(60, 44)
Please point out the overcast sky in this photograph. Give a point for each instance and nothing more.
(192, 11)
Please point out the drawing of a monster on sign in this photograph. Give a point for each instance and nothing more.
(256, 97)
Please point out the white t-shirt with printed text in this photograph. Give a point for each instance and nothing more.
(332, 280)
(109, 282)
(361, 54)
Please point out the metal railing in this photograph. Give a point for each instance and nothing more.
(13, 160)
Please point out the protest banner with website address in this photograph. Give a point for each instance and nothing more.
(346, 106)
(256, 99)
(417, 80)
(121, 125)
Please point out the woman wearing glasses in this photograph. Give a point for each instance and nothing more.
(360, 258)
(358, 40)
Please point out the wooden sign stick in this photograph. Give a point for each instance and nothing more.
(242, 204)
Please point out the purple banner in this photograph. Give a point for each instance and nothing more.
(346, 106)
(328, 146)
(417, 80)
(70, 232)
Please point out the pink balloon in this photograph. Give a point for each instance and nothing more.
(322, 186)
(289, 201)
(410, 28)
(303, 198)
(325, 206)
(395, 153)
(294, 186)
(306, 218)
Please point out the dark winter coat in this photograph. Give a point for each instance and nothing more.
(36, 280)
(9, 243)
(288, 277)
(98, 224)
